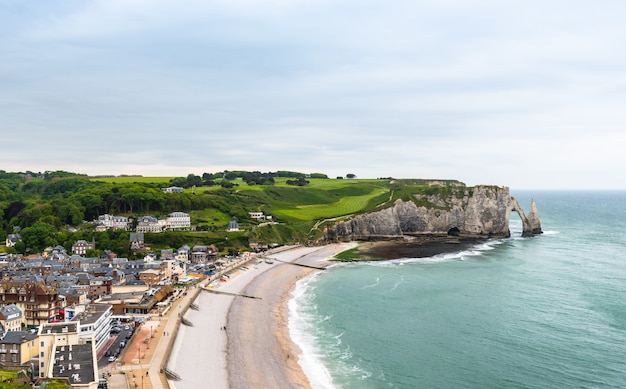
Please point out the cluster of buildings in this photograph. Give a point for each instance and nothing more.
(57, 307)
(173, 221)
(56, 310)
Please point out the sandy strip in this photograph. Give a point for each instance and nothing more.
(255, 350)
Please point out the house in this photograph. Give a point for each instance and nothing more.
(38, 302)
(136, 241)
(178, 220)
(12, 318)
(183, 253)
(173, 269)
(259, 216)
(117, 276)
(100, 286)
(232, 226)
(172, 189)
(107, 221)
(149, 224)
(201, 254)
(72, 296)
(12, 239)
(81, 246)
(17, 349)
(151, 276)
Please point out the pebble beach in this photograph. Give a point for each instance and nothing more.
(243, 342)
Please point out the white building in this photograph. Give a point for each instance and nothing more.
(178, 220)
(113, 222)
(149, 224)
(64, 354)
(256, 215)
(94, 321)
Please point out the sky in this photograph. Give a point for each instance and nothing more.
(525, 94)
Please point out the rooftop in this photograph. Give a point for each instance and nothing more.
(58, 328)
(18, 337)
(74, 362)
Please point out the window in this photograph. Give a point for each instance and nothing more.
(14, 358)
(41, 344)
(41, 354)
(3, 358)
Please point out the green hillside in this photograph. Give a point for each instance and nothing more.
(60, 207)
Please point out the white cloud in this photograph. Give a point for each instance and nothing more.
(481, 91)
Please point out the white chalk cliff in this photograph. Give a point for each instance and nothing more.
(467, 212)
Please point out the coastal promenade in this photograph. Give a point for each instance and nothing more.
(142, 363)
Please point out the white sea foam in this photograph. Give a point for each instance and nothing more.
(372, 285)
(301, 329)
(397, 284)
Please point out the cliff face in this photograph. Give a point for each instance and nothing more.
(477, 212)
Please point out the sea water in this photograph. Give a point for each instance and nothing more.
(541, 312)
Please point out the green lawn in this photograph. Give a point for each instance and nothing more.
(345, 205)
(130, 180)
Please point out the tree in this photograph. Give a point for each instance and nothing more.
(39, 236)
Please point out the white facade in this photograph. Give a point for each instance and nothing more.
(178, 220)
(256, 215)
(114, 222)
(149, 224)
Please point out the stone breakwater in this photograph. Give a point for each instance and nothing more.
(478, 212)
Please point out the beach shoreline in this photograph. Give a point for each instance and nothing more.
(245, 342)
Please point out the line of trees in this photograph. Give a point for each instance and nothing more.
(226, 177)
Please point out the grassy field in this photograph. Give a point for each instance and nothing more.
(345, 205)
(131, 179)
(6, 374)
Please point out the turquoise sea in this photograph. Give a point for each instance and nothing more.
(541, 312)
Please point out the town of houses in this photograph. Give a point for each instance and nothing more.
(61, 306)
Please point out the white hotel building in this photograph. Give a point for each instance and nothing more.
(178, 220)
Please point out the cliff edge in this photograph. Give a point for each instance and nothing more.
(466, 212)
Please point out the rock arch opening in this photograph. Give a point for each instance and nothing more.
(516, 227)
(454, 231)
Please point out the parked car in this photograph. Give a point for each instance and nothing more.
(111, 358)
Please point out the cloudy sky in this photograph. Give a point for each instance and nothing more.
(527, 94)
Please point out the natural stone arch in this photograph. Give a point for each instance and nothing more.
(530, 223)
